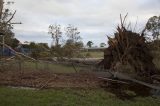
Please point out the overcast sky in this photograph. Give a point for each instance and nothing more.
(94, 18)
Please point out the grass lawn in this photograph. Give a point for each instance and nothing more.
(43, 66)
(98, 54)
(68, 97)
(57, 68)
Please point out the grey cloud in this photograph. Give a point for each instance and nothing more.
(94, 18)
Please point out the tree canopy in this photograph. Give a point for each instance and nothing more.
(55, 31)
(152, 28)
(89, 44)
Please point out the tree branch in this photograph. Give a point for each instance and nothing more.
(11, 17)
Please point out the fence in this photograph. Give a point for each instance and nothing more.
(57, 67)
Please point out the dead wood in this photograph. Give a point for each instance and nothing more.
(1, 8)
(11, 17)
(113, 80)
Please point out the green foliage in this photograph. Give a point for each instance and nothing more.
(73, 43)
(9, 40)
(71, 48)
(32, 45)
(15, 43)
(79, 44)
(44, 45)
(39, 50)
(89, 44)
(153, 27)
(57, 51)
(44, 54)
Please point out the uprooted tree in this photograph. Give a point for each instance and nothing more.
(128, 47)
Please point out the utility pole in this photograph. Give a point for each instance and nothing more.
(3, 42)
(1, 8)
(3, 45)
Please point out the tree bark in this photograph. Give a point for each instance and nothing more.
(1, 8)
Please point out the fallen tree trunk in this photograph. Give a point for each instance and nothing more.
(125, 79)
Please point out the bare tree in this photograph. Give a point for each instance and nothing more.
(55, 31)
(73, 33)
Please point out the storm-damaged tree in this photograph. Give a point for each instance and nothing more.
(6, 25)
(55, 31)
(129, 49)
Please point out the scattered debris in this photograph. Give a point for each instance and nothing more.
(46, 79)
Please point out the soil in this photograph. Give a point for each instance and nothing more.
(46, 79)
